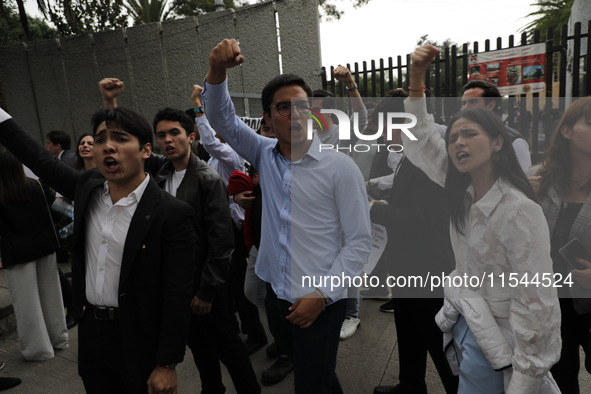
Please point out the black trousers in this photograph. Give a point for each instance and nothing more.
(418, 334)
(102, 362)
(314, 348)
(248, 312)
(214, 338)
(574, 330)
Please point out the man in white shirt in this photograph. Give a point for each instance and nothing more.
(134, 251)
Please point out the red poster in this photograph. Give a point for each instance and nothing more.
(515, 70)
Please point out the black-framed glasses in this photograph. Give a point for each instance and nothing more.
(284, 107)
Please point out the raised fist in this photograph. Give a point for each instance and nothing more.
(422, 58)
(110, 88)
(196, 95)
(226, 55)
(342, 74)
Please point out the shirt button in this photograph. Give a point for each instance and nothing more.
(100, 269)
(285, 186)
(285, 207)
(104, 241)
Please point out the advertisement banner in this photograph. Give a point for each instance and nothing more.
(517, 70)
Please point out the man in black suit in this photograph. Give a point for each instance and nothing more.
(58, 143)
(134, 251)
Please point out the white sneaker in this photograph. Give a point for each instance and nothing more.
(349, 327)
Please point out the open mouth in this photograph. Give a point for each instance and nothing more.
(111, 164)
(462, 156)
(169, 148)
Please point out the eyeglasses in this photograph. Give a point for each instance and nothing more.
(284, 108)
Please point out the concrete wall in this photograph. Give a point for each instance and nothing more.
(52, 84)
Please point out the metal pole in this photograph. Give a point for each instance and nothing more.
(219, 5)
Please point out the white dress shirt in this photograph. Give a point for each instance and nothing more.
(107, 225)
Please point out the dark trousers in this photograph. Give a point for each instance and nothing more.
(248, 312)
(314, 348)
(101, 360)
(418, 334)
(574, 330)
(214, 338)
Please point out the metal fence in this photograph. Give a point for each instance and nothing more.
(450, 72)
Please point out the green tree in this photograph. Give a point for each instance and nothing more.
(74, 17)
(12, 30)
(22, 14)
(550, 14)
(330, 8)
(147, 11)
(199, 7)
(333, 12)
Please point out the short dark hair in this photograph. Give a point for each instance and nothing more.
(59, 137)
(174, 115)
(125, 119)
(490, 91)
(277, 83)
(327, 97)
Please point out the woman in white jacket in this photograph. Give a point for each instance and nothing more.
(502, 308)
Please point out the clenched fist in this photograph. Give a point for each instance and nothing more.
(225, 55)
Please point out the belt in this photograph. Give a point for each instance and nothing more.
(104, 312)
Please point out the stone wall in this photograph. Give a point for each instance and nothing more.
(52, 84)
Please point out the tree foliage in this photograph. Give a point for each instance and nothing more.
(74, 17)
(551, 14)
(199, 7)
(332, 11)
(146, 11)
(330, 8)
(6, 5)
(12, 30)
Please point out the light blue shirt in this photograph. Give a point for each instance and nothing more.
(315, 218)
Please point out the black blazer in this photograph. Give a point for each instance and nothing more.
(418, 228)
(204, 190)
(26, 229)
(155, 286)
(69, 157)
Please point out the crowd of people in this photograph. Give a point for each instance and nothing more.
(193, 245)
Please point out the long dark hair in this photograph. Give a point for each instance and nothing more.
(79, 165)
(505, 165)
(15, 187)
(557, 165)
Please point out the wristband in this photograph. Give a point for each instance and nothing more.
(199, 110)
(355, 87)
(422, 89)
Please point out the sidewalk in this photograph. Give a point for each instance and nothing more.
(368, 359)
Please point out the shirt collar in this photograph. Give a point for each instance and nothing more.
(313, 150)
(134, 196)
(491, 199)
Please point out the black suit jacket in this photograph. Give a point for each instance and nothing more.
(204, 190)
(418, 229)
(155, 285)
(69, 157)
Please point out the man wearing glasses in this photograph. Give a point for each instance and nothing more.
(315, 219)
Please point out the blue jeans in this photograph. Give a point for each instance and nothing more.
(476, 374)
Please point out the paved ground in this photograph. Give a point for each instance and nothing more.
(368, 359)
